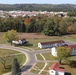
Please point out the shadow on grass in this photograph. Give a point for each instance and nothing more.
(66, 73)
(25, 68)
(73, 64)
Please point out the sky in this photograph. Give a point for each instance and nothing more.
(38, 1)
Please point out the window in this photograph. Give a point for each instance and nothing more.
(51, 71)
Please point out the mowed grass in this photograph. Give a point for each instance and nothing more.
(37, 68)
(48, 56)
(72, 58)
(39, 57)
(44, 73)
(7, 52)
(68, 69)
(4, 52)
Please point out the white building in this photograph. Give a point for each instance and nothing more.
(72, 52)
(55, 70)
(21, 41)
(50, 44)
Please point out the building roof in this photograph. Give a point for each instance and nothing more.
(52, 42)
(71, 46)
(55, 67)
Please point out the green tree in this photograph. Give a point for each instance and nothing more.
(63, 53)
(10, 35)
(15, 68)
(63, 27)
(30, 26)
(49, 27)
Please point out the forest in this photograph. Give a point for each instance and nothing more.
(38, 7)
(39, 24)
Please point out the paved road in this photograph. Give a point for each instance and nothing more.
(31, 60)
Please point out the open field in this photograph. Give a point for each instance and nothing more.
(5, 52)
(34, 38)
(38, 36)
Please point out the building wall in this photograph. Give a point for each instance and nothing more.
(53, 51)
(52, 72)
(49, 45)
(73, 51)
(39, 45)
(61, 73)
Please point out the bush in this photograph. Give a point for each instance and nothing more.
(72, 64)
(66, 62)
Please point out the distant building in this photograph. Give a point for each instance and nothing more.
(20, 41)
(50, 44)
(55, 70)
(72, 52)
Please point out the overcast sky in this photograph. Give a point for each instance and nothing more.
(38, 1)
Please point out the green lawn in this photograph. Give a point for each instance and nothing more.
(39, 57)
(4, 52)
(69, 69)
(72, 58)
(44, 73)
(48, 56)
(37, 67)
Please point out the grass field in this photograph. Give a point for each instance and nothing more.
(48, 56)
(37, 67)
(4, 52)
(68, 69)
(39, 57)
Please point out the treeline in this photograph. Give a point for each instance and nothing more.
(12, 23)
(49, 26)
(38, 7)
(72, 14)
